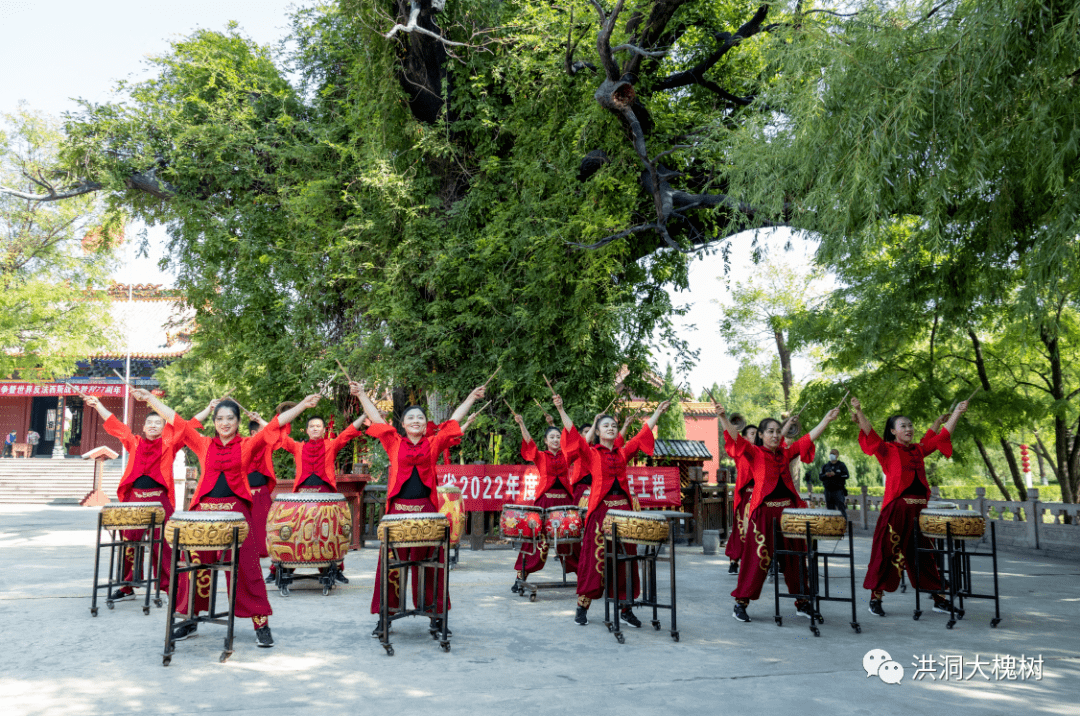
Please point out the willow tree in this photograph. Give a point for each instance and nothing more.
(402, 186)
(936, 155)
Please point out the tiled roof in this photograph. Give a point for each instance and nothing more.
(682, 449)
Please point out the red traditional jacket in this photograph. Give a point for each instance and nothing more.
(262, 460)
(316, 457)
(580, 467)
(433, 430)
(554, 467)
(234, 459)
(743, 474)
(608, 465)
(903, 464)
(405, 455)
(153, 458)
(769, 469)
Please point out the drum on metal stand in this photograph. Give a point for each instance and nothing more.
(308, 529)
(115, 519)
(950, 530)
(188, 532)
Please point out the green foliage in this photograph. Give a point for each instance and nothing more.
(47, 320)
(672, 424)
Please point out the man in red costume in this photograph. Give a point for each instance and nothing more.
(147, 478)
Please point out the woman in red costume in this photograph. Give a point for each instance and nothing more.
(412, 486)
(610, 490)
(148, 477)
(744, 490)
(553, 490)
(769, 465)
(906, 494)
(226, 460)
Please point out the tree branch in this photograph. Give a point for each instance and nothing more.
(66, 193)
(414, 15)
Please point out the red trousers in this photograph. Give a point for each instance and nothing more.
(532, 559)
(893, 550)
(757, 554)
(433, 587)
(251, 600)
(591, 564)
(734, 546)
(159, 496)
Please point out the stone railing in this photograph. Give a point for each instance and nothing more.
(1053, 527)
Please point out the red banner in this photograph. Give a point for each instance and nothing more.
(46, 389)
(489, 487)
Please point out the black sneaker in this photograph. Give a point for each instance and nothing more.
(271, 578)
(941, 606)
(582, 616)
(875, 608)
(263, 637)
(436, 626)
(378, 630)
(629, 618)
(122, 594)
(341, 578)
(184, 632)
(802, 609)
(516, 589)
(739, 612)
(733, 567)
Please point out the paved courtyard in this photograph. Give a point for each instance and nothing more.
(513, 656)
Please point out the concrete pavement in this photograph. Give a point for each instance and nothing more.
(510, 655)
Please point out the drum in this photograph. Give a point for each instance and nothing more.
(563, 524)
(637, 527)
(521, 522)
(963, 524)
(824, 524)
(451, 505)
(583, 503)
(308, 529)
(414, 529)
(205, 530)
(128, 515)
(940, 505)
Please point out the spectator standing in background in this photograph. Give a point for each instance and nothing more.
(833, 476)
(33, 438)
(9, 443)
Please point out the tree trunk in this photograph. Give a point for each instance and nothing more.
(785, 368)
(991, 470)
(1065, 455)
(1014, 468)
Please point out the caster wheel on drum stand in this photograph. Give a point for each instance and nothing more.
(532, 597)
(110, 605)
(93, 612)
(146, 610)
(856, 627)
(325, 591)
(284, 591)
(610, 626)
(994, 623)
(166, 660)
(656, 625)
(675, 635)
(816, 631)
(157, 603)
(445, 645)
(620, 638)
(224, 656)
(950, 624)
(916, 615)
(779, 621)
(820, 619)
(389, 649)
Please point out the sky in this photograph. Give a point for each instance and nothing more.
(55, 52)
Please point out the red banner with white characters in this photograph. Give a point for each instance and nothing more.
(489, 487)
(45, 389)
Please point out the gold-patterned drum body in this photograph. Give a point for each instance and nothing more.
(963, 524)
(637, 527)
(130, 515)
(824, 524)
(308, 529)
(451, 505)
(941, 505)
(414, 529)
(205, 530)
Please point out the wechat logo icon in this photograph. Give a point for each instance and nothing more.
(877, 662)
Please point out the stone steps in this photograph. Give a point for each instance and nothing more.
(48, 481)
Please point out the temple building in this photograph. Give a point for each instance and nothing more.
(151, 327)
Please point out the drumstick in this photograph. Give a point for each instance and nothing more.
(713, 397)
(344, 372)
(493, 375)
(610, 404)
(512, 412)
(77, 391)
(114, 370)
(843, 399)
(974, 393)
(548, 384)
(483, 408)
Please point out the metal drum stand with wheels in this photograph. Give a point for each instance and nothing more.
(412, 531)
(948, 539)
(650, 531)
(809, 576)
(146, 517)
(555, 534)
(186, 533)
(284, 576)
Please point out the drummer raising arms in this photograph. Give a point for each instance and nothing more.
(610, 489)
(411, 486)
(147, 478)
(768, 462)
(744, 490)
(553, 490)
(226, 460)
(906, 494)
